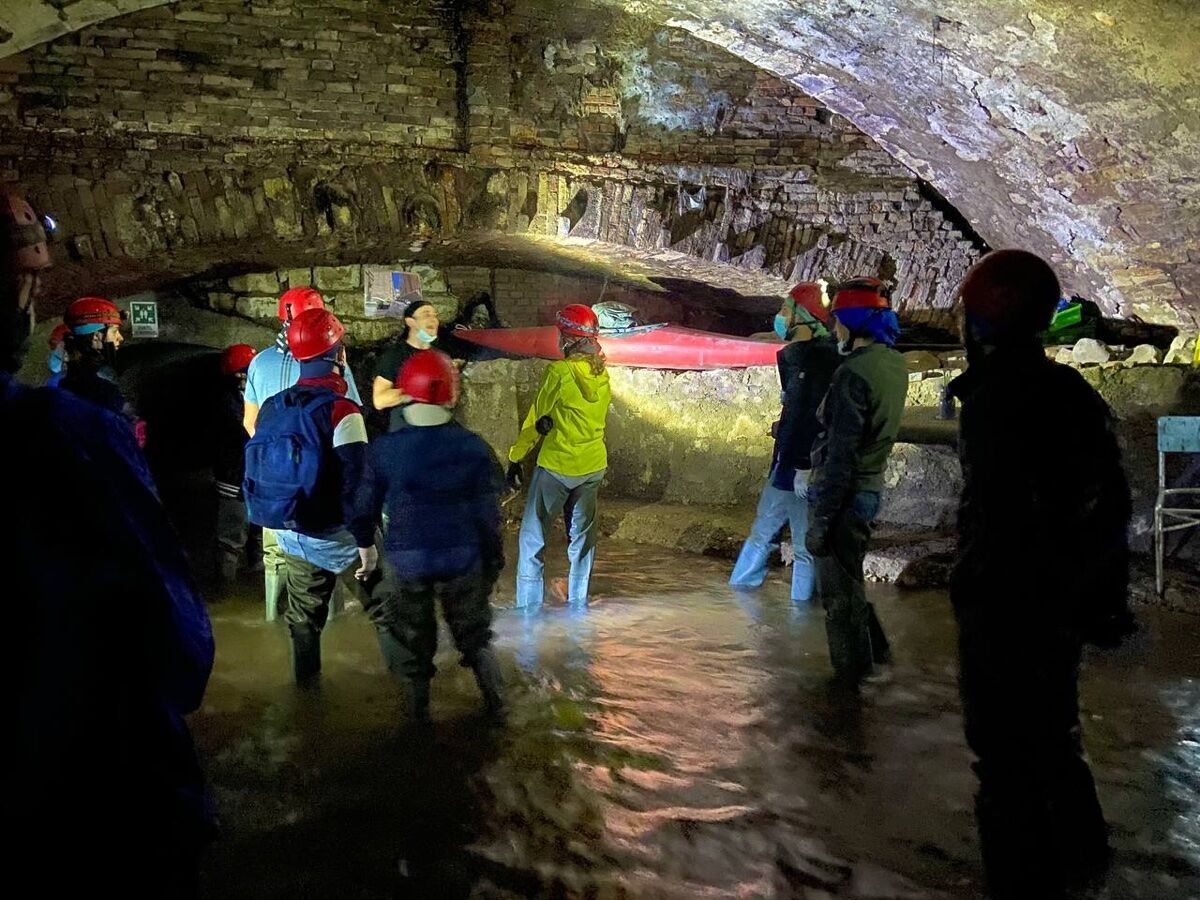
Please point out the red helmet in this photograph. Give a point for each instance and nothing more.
(296, 300)
(808, 296)
(314, 333)
(429, 376)
(1010, 292)
(860, 293)
(578, 320)
(24, 232)
(88, 315)
(236, 358)
(58, 335)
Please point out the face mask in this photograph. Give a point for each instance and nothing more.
(426, 338)
(781, 326)
(57, 360)
(846, 347)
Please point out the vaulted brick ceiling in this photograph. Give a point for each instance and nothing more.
(1069, 128)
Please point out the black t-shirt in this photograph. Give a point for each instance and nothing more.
(388, 366)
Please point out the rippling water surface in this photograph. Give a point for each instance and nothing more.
(673, 740)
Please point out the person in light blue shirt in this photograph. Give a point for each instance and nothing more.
(273, 370)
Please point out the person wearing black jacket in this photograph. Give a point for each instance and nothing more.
(235, 534)
(1042, 568)
(806, 366)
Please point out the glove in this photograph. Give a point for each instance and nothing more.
(543, 425)
(817, 538)
(514, 477)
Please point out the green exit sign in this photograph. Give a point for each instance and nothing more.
(143, 316)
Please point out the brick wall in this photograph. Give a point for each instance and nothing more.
(206, 128)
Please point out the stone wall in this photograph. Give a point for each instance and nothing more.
(522, 296)
(209, 126)
(702, 437)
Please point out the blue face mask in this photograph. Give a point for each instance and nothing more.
(57, 360)
(781, 326)
(426, 338)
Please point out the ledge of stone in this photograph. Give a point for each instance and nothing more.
(913, 558)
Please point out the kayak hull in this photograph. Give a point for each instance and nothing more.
(661, 347)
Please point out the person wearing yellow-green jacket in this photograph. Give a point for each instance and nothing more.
(569, 411)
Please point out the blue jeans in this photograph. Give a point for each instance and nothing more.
(775, 507)
(574, 498)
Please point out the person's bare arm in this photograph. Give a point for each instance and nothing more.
(384, 395)
(249, 417)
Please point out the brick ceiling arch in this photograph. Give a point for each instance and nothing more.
(25, 23)
(1070, 128)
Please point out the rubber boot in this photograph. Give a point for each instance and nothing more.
(414, 694)
(416, 699)
(273, 589)
(491, 685)
(306, 654)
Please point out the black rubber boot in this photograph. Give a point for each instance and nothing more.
(414, 694)
(491, 685)
(417, 701)
(306, 654)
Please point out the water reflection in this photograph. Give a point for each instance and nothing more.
(673, 739)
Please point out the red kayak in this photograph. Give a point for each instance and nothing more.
(647, 347)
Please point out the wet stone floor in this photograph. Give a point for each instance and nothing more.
(672, 740)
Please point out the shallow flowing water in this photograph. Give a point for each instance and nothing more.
(673, 740)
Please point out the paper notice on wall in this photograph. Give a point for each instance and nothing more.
(386, 292)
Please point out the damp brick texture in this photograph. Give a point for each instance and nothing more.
(196, 127)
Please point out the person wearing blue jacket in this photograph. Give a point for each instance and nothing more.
(115, 646)
(439, 484)
(806, 366)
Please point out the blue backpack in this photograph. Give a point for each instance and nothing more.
(285, 460)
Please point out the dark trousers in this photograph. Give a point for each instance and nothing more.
(856, 639)
(1040, 823)
(235, 534)
(405, 608)
(309, 590)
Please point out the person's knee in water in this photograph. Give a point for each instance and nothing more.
(1043, 491)
(439, 485)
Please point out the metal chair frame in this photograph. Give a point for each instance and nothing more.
(1176, 434)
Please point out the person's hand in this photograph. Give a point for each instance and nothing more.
(817, 539)
(369, 559)
(514, 477)
(775, 429)
(787, 553)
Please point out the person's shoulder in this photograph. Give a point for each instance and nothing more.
(343, 407)
(264, 360)
(46, 414)
(265, 357)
